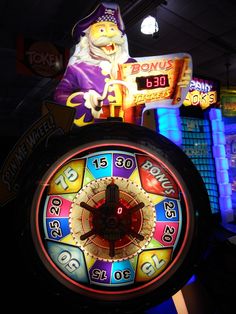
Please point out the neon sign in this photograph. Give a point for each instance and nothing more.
(201, 93)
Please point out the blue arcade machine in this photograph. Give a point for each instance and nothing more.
(198, 128)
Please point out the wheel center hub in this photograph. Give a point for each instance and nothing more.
(109, 225)
(111, 222)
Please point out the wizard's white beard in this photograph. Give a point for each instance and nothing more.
(91, 53)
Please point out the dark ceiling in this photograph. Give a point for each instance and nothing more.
(206, 29)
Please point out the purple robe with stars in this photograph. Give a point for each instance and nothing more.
(82, 77)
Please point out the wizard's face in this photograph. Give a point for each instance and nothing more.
(106, 36)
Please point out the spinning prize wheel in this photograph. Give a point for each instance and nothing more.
(116, 216)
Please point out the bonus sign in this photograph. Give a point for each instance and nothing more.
(156, 81)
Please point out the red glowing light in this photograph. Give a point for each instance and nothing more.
(119, 210)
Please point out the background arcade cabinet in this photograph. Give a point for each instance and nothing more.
(228, 104)
(198, 128)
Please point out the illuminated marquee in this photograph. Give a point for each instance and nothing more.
(201, 93)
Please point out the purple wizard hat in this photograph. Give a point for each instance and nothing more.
(107, 12)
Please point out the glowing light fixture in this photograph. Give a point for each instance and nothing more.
(149, 26)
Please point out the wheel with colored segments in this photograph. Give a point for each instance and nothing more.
(118, 215)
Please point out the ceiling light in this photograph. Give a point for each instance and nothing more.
(149, 25)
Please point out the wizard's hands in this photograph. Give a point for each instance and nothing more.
(93, 102)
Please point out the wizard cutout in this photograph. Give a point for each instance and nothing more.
(102, 80)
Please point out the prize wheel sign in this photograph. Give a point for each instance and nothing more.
(114, 218)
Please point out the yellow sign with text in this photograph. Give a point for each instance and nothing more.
(198, 98)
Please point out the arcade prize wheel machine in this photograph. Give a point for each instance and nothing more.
(118, 216)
